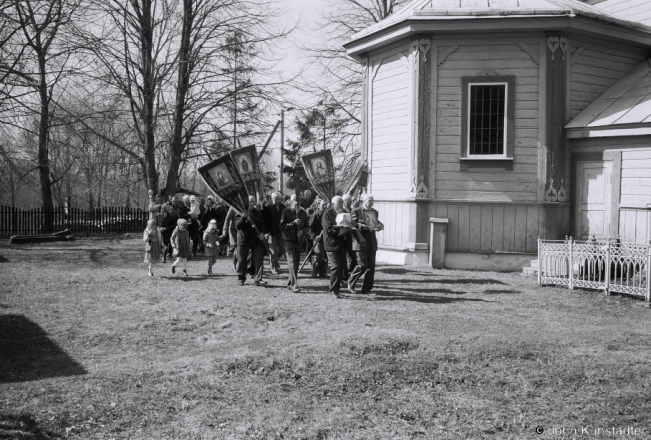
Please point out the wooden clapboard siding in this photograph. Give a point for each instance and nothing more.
(636, 178)
(390, 135)
(395, 217)
(496, 227)
(634, 225)
(595, 68)
(504, 57)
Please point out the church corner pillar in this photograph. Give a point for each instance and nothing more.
(558, 54)
(420, 145)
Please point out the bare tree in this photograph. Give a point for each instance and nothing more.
(338, 90)
(35, 60)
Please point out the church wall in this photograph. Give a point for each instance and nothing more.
(479, 57)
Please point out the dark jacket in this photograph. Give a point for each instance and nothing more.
(246, 233)
(272, 217)
(369, 236)
(169, 220)
(333, 242)
(210, 214)
(314, 225)
(289, 228)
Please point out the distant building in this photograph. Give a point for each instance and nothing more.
(512, 119)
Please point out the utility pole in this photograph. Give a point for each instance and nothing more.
(282, 146)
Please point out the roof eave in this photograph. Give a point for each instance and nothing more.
(615, 130)
(363, 44)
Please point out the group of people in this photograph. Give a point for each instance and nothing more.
(340, 238)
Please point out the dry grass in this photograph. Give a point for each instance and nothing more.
(92, 348)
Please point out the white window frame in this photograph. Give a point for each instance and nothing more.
(506, 121)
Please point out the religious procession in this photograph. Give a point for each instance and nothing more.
(335, 233)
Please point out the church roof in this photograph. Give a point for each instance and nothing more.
(626, 104)
(632, 10)
(610, 11)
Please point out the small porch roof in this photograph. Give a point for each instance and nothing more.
(622, 110)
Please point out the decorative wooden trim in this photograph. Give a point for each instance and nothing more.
(424, 46)
(375, 69)
(404, 56)
(556, 111)
(575, 56)
(542, 120)
(553, 43)
(433, 123)
(446, 53)
(531, 52)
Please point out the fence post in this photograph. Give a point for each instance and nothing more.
(647, 295)
(539, 264)
(607, 268)
(571, 284)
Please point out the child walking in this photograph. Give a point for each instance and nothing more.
(153, 243)
(181, 242)
(211, 243)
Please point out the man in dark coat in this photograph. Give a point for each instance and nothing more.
(335, 244)
(315, 228)
(293, 225)
(250, 231)
(272, 215)
(366, 250)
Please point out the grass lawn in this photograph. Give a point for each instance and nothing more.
(92, 348)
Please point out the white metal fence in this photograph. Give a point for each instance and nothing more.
(601, 265)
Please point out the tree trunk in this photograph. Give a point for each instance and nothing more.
(183, 82)
(149, 95)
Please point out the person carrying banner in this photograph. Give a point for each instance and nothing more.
(250, 231)
(366, 219)
(315, 228)
(272, 214)
(335, 244)
(293, 225)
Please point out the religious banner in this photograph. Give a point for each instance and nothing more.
(360, 180)
(247, 164)
(223, 178)
(320, 170)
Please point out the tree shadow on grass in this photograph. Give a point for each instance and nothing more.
(3, 259)
(501, 291)
(425, 290)
(23, 426)
(401, 271)
(189, 277)
(446, 281)
(28, 353)
(385, 295)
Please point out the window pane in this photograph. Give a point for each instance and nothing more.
(486, 119)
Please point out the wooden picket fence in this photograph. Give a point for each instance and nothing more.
(111, 220)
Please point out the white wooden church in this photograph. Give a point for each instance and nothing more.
(499, 121)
